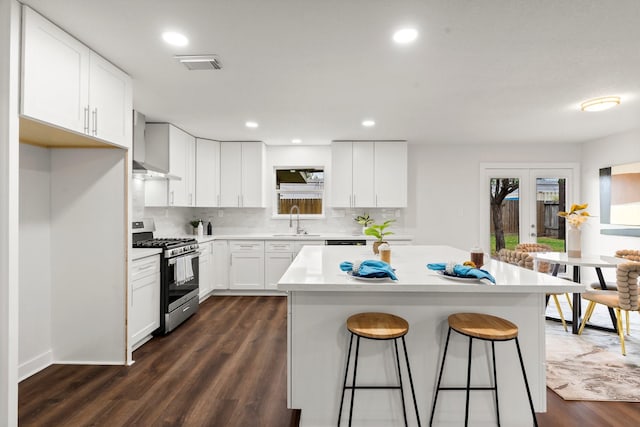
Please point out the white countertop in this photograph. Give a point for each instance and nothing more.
(287, 236)
(139, 253)
(317, 269)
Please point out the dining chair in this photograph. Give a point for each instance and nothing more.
(624, 299)
(629, 254)
(526, 260)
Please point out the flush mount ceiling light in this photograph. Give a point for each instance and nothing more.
(368, 123)
(251, 124)
(175, 39)
(200, 62)
(600, 104)
(296, 141)
(405, 35)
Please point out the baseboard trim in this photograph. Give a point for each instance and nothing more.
(35, 365)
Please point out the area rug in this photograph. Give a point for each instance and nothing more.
(591, 366)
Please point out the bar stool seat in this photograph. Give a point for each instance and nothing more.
(384, 327)
(488, 328)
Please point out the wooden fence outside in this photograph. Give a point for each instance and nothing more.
(546, 218)
(307, 206)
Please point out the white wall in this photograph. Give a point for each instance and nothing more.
(9, 178)
(614, 150)
(88, 259)
(35, 260)
(443, 186)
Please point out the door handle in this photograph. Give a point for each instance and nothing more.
(86, 119)
(95, 121)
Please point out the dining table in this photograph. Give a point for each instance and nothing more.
(598, 262)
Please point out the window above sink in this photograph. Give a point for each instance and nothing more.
(299, 186)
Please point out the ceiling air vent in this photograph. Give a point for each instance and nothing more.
(200, 62)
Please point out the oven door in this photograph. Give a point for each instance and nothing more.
(183, 279)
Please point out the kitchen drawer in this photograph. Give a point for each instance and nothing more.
(279, 246)
(247, 246)
(145, 267)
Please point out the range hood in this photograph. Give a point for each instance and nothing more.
(140, 167)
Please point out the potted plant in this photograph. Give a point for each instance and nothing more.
(194, 224)
(378, 231)
(364, 220)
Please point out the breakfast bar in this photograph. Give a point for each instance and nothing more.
(321, 297)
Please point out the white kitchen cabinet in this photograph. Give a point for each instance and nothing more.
(207, 172)
(247, 265)
(241, 168)
(278, 257)
(206, 270)
(390, 174)
(172, 149)
(144, 315)
(221, 261)
(369, 174)
(66, 84)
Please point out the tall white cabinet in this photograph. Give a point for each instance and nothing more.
(369, 174)
(241, 168)
(66, 84)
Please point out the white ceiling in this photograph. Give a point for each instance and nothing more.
(481, 71)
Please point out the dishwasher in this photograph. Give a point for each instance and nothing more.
(346, 242)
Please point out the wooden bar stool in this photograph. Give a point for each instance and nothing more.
(377, 326)
(488, 328)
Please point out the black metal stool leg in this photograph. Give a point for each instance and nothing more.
(466, 409)
(526, 383)
(444, 357)
(413, 392)
(404, 409)
(353, 385)
(495, 380)
(344, 385)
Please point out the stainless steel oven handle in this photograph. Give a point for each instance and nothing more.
(190, 255)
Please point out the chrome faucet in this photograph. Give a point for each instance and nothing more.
(299, 230)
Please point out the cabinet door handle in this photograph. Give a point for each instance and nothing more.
(86, 119)
(171, 193)
(354, 200)
(95, 121)
(218, 200)
(376, 200)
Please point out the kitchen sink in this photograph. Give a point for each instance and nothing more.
(294, 235)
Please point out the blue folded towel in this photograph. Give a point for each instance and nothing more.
(464, 271)
(370, 268)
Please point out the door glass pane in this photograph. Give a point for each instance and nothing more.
(504, 201)
(550, 199)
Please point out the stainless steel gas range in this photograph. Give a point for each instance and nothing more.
(179, 274)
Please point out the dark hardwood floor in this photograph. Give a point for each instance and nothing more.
(225, 367)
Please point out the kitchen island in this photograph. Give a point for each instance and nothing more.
(321, 297)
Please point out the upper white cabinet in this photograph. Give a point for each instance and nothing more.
(390, 165)
(172, 149)
(207, 173)
(369, 174)
(67, 85)
(241, 166)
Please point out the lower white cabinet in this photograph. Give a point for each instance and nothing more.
(144, 316)
(278, 257)
(206, 269)
(221, 264)
(247, 265)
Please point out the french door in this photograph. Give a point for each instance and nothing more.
(520, 203)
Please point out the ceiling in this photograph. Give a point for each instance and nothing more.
(491, 71)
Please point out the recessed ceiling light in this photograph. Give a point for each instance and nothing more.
(296, 141)
(600, 104)
(175, 39)
(405, 35)
(251, 124)
(368, 123)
